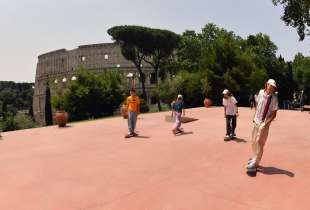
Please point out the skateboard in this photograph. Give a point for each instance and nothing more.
(229, 138)
(179, 132)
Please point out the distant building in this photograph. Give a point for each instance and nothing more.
(59, 67)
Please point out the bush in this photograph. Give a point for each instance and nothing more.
(58, 103)
(193, 87)
(93, 95)
(143, 106)
(18, 122)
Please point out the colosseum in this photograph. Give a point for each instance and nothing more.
(58, 68)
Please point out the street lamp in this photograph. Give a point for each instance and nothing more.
(131, 77)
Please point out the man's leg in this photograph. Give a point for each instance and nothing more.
(254, 142)
(227, 125)
(261, 143)
(130, 124)
(234, 124)
(134, 121)
(259, 137)
(177, 124)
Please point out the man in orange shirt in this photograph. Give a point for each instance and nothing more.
(133, 106)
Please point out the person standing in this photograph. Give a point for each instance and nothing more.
(230, 113)
(133, 107)
(252, 101)
(266, 112)
(178, 109)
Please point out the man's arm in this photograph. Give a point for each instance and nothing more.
(237, 113)
(127, 103)
(224, 111)
(138, 105)
(271, 118)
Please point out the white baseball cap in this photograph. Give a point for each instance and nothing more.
(272, 82)
(225, 91)
(180, 96)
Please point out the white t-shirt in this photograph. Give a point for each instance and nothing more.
(262, 99)
(230, 104)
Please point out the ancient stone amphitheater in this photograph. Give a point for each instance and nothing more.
(58, 68)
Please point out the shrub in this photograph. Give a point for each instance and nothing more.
(18, 122)
(93, 95)
(143, 106)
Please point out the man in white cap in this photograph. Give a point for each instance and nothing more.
(178, 109)
(266, 112)
(230, 113)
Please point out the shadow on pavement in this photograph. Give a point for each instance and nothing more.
(142, 137)
(239, 140)
(274, 171)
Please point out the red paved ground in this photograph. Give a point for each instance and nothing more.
(90, 166)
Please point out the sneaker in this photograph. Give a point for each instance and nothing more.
(250, 160)
(180, 130)
(234, 135)
(134, 134)
(251, 165)
(226, 138)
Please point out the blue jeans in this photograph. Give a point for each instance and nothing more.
(231, 122)
(132, 121)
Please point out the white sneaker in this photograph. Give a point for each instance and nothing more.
(252, 165)
(250, 160)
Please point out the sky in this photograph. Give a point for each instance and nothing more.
(33, 27)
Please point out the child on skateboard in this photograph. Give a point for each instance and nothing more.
(133, 106)
(230, 113)
(178, 109)
(266, 112)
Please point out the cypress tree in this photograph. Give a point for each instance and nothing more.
(48, 107)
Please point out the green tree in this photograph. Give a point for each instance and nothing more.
(93, 95)
(48, 107)
(190, 51)
(193, 87)
(228, 64)
(296, 14)
(301, 72)
(134, 41)
(161, 45)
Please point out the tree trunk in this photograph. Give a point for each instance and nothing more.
(142, 80)
(48, 107)
(158, 99)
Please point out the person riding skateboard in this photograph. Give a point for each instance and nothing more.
(230, 113)
(266, 112)
(178, 109)
(133, 107)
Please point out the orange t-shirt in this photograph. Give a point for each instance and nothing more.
(133, 103)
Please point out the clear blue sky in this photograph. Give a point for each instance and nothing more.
(32, 27)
